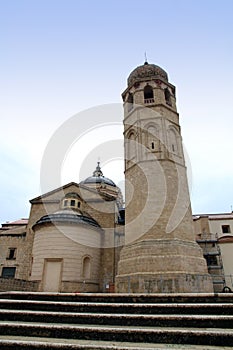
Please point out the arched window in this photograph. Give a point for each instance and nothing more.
(130, 102)
(131, 146)
(86, 267)
(167, 96)
(148, 94)
(173, 141)
(152, 138)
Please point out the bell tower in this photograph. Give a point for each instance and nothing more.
(160, 252)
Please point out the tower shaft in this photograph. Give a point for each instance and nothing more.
(160, 254)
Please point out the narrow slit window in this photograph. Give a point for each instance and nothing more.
(11, 253)
(152, 145)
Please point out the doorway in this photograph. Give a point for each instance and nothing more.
(52, 275)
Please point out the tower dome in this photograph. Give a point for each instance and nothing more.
(146, 72)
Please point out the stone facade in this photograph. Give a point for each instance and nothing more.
(14, 251)
(68, 244)
(214, 233)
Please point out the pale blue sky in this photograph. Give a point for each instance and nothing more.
(61, 57)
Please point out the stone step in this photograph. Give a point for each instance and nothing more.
(216, 337)
(121, 298)
(22, 343)
(119, 308)
(193, 321)
(60, 321)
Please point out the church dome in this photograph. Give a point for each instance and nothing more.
(146, 72)
(98, 178)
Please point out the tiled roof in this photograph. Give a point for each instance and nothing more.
(19, 222)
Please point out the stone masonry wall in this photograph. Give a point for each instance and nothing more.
(11, 284)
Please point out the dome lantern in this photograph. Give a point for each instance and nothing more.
(98, 178)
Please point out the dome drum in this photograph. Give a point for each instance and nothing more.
(66, 216)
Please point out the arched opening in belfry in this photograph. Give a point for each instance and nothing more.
(167, 96)
(148, 94)
(130, 102)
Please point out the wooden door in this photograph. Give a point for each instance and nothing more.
(52, 275)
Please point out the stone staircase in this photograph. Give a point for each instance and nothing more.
(115, 321)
